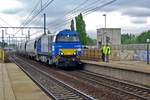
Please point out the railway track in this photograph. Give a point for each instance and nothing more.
(124, 89)
(114, 85)
(96, 92)
(55, 88)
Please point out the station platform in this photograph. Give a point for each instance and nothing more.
(16, 85)
(128, 65)
(132, 71)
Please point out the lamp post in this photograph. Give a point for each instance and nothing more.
(104, 39)
(105, 19)
(44, 23)
(147, 40)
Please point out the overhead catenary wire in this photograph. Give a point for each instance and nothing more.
(86, 7)
(28, 16)
(82, 11)
(86, 12)
(34, 17)
(44, 7)
(69, 12)
(31, 19)
(5, 21)
(72, 13)
(99, 7)
(39, 11)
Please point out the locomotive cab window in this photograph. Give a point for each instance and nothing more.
(67, 38)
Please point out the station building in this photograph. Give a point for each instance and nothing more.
(111, 36)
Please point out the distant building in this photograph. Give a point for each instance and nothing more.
(111, 36)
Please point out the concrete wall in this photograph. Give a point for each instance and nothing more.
(124, 55)
(128, 55)
(136, 52)
(114, 35)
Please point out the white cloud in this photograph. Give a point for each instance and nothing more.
(9, 4)
(136, 11)
(140, 20)
(13, 20)
(125, 14)
(114, 20)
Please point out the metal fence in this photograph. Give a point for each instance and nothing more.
(91, 54)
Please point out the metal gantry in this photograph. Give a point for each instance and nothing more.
(12, 39)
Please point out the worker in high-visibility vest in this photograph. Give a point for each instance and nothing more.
(102, 50)
(107, 53)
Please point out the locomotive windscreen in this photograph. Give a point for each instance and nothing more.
(67, 38)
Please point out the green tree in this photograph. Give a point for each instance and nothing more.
(128, 38)
(72, 25)
(80, 28)
(132, 39)
(143, 36)
(91, 41)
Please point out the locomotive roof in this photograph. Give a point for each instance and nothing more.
(63, 32)
(67, 32)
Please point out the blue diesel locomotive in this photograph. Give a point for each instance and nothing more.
(62, 49)
(66, 48)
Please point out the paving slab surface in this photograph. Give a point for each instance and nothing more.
(129, 65)
(137, 72)
(16, 85)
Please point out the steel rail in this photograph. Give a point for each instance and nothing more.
(89, 76)
(74, 92)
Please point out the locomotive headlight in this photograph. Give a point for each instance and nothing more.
(79, 49)
(61, 53)
(53, 48)
(74, 53)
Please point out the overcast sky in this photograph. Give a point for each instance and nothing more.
(132, 16)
